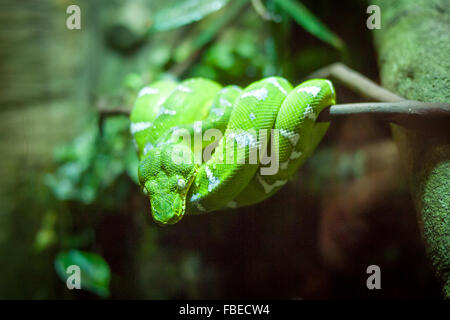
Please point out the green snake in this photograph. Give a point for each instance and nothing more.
(197, 141)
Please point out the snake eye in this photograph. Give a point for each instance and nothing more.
(181, 184)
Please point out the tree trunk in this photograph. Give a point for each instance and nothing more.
(45, 78)
(413, 46)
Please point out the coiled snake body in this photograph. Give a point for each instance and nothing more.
(194, 172)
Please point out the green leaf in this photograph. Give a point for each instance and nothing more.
(215, 24)
(177, 13)
(310, 22)
(94, 270)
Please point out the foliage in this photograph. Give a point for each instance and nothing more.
(93, 163)
(307, 20)
(95, 274)
(176, 13)
(92, 167)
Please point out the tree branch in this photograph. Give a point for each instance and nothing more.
(391, 111)
(357, 82)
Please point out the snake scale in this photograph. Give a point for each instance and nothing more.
(203, 147)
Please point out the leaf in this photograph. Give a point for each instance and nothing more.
(46, 235)
(310, 22)
(92, 164)
(95, 272)
(207, 34)
(179, 13)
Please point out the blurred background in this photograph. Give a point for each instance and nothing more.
(68, 192)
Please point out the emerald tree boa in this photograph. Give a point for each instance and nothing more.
(203, 147)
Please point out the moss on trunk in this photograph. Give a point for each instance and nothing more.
(413, 46)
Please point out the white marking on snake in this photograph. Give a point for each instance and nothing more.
(198, 126)
(218, 112)
(292, 136)
(269, 187)
(259, 94)
(293, 139)
(331, 86)
(139, 126)
(213, 181)
(163, 143)
(225, 102)
(252, 116)
(244, 138)
(295, 155)
(200, 207)
(147, 90)
(161, 101)
(148, 146)
(276, 84)
(181, 183)
(309, 113)
(163, 110)
(195, 197)
(311, 90)
(195, 200)
(180, 87)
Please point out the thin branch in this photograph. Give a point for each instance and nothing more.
(357, 82)
(393, 108)
(393, 111)
(114, 112)
(404, 108)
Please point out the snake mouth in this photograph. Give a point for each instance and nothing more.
(167, 208)
(170, 207)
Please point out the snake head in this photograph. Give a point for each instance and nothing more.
(167, 181)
